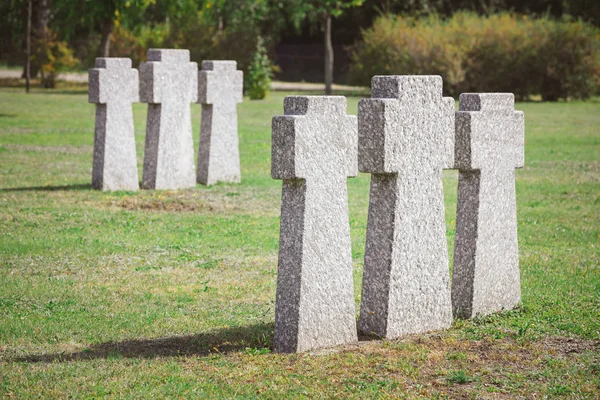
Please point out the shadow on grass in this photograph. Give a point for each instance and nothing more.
(62, 87)
(81, 186)
(221, 341)
(347, 93)
(83, 90)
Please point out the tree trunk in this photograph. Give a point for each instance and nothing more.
(28, 39)
(328, 56)
(107, 27)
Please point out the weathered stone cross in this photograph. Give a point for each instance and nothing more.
(406, 138)
(220, 88)
(314, 152)
(113, 86)
(169, 83)
(489, 146)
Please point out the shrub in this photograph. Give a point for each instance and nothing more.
(571, 61)
(201, 37)
(408, 46)
(260, 72)
(503, 52)
(124, 43)
(53, 56)
(207, 42)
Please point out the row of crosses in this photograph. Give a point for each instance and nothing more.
(169, 83)
(406, 134)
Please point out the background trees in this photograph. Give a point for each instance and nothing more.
(74, 32)
(320, 13)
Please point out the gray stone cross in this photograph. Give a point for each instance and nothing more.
(489, 146)
(220, 88)
(314, 152)
(405, 139)
(169, 83)
(113, 86)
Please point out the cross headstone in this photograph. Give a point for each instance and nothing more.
(169, 83)
(405, 139)
(489, 146)
(113, 86)
(314, 152)
(220, 88)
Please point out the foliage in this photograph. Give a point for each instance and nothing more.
(266, 18)
(53, 56)
(503, 52)
(125, 43)
(409, 46)
(260, 72)
(12, 30)
(209, 42)
(195, 33)
(317, 11)
(85, 23)
(74, 17)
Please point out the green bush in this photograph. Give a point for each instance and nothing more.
(204, 41)
(125, 43)
(260, 72)
(498, 53)
(207, 42)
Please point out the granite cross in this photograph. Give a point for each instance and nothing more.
(113, 86)
(489, 146)
(405, 139)
(220, 88)
(169, 83)
(314, 149)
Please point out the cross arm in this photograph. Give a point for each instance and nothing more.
(489, 132)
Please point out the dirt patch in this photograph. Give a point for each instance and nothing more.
(222, 200)
(562, 171)
(485, 348)
(161, 205)
(444, 364)
(568, 346)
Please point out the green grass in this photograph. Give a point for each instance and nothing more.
(171, 293)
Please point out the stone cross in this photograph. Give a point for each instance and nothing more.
(169, 83)
(314, 152)
(489, 146)
(405, 139)
(220, 88)
(113, 86)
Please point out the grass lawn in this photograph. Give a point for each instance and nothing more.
(172, 293)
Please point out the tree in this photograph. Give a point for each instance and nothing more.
(269, 18)
(266, 18)
(321, 12)
(71, 16)
(37, 33)
(28, 45)
(258, 80)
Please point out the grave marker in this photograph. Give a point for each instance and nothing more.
(314, 152)
(220, 88)
(169, 83)
(489, 146)
(113, 86)
(405, 139)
